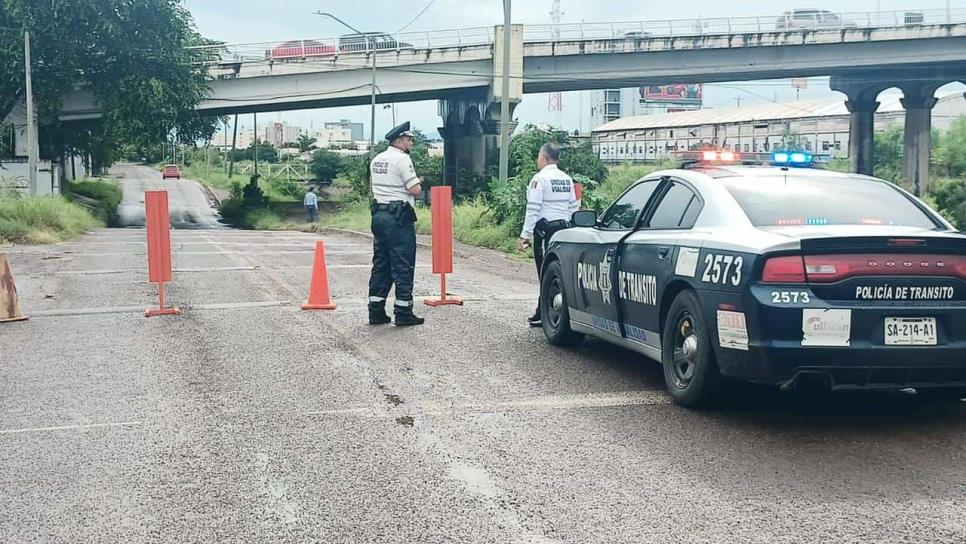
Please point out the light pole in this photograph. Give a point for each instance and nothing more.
(32, 147)
(505, 99)
(372, 49)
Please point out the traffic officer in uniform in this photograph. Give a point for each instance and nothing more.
(551, 201)
(394, 187)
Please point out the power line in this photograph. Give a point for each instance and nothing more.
(418, 15)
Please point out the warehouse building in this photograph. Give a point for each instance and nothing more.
(820, 126)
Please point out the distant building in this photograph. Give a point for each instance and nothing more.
(820, 126)
(222, 139)
(358, 129)
(611, 104)
(280, 133)
(335, 137)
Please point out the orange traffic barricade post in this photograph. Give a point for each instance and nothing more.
(319, 298)
(9, 303)
(159, 247)
(442, 214)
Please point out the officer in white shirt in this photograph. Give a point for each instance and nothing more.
(551, 201)
(394, 187)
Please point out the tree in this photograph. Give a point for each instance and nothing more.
(327, 165)
(137, 58)
(949, 152)
(306, 143)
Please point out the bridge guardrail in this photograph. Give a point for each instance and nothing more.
(328, 49)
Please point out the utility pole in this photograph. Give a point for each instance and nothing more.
(371, 46)
(31, 122)
(255, 116)
(231, 155)
(505, 99)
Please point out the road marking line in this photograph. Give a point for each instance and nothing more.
(180, 253)
(71, 312)
(215, 269)
(338, 412)
(70, 427)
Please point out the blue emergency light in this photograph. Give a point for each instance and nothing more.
(792, 158)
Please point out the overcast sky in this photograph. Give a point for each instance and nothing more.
(246, 21)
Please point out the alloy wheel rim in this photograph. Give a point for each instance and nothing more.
(685, 351)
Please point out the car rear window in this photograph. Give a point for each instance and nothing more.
(800, 200)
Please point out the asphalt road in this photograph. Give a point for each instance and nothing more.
(248, 420)
(188, 205)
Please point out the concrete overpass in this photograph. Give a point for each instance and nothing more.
(864, 53)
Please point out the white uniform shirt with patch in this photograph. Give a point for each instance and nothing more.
(550, 196)
(393, 174)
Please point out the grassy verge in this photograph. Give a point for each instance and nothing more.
(473, 224)
(106, 193)
(43, 220)
(275, 190)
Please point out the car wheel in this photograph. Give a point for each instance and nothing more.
(554, 311)
(690, 370)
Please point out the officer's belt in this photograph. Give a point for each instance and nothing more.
(381, 207)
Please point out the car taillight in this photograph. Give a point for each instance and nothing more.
(833, 268)
(790, 269)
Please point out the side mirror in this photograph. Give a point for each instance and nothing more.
(584, 218)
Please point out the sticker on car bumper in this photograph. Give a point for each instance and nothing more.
(732, 330)
(826, 328)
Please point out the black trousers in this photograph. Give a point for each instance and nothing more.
(539, 251)
(393, 260)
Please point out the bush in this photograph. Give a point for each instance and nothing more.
(949, 198)
(287, 187)
(619, 178)
(42, 220)
(106, 193)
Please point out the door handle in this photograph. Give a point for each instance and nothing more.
(663, 252)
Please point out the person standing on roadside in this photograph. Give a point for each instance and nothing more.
(551, 201)
(311, 202)
(394, 188)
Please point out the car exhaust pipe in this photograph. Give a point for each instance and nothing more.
(807, 379)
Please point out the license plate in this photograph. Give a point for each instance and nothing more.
(910, 331)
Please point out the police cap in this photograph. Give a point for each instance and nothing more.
(399, 131)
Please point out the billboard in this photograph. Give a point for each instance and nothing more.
(677, 93)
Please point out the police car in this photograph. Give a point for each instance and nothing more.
(774, 274)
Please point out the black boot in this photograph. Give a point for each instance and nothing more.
(377, 314)
(406, 318)
(534, 320)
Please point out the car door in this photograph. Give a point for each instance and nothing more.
(594, 300)
(644, 263)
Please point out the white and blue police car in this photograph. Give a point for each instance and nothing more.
(776, 274)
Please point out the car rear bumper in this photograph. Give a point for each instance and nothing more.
(778, 355)
(854, 368)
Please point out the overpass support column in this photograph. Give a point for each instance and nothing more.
(917, 138)
(862, 105)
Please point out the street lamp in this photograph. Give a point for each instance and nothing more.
(505, 99)
(371, 47)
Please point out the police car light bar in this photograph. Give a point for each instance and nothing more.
(708, 156)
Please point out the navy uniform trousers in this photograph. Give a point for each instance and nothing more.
(393, 259)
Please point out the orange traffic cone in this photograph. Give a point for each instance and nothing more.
(319, 290)
(9, 303)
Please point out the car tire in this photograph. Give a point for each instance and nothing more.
(554, 310)
(690, 371)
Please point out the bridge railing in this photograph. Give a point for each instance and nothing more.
(330, 49)
(799, 21)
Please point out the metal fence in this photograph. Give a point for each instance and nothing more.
(322, 49)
